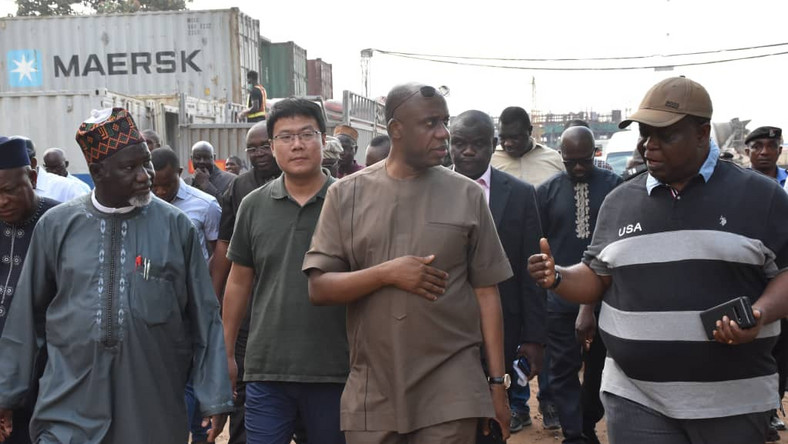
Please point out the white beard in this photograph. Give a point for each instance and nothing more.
(140, 201)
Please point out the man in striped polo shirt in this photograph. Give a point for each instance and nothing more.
(691, 234)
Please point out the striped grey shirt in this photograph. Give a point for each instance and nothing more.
(671, 256)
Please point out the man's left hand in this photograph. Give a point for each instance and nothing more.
(535, 354)
(502, 413)
(728, 331)
(217, 425)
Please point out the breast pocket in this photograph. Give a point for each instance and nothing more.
(153, 298)
(448, 242)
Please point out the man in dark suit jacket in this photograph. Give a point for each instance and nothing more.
(514, 209)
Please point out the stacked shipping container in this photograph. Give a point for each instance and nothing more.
(319, 79)
(204, 54)
(283, 68)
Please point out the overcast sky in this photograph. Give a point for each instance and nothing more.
(338, 31)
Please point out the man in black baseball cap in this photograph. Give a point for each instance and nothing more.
(764, 146)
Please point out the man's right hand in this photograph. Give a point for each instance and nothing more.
(541, 267)
(201, 176)
(6, 424)
(232, 368)
(414, 275)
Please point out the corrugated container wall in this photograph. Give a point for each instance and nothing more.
(319, 79)
(205, 54)
(68, 110)
(284, 65)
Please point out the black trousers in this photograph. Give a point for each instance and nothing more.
(565, 362)
(591, 404)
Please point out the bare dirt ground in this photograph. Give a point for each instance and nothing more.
(536, 433)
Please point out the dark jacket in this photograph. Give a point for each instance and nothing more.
(514, 209)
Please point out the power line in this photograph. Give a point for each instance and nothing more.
(586, 68)
(584, 59)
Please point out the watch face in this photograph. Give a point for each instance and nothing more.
(507, 381)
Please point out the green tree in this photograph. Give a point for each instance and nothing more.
(71, 7)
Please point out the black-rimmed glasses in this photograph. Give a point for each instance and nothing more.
(259, 149)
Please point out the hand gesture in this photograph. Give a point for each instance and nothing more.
(201, 176)
(541, 267)
(414, 275)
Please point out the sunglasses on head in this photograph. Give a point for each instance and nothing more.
(426, 91)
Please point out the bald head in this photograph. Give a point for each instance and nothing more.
(257, 133)
(472, 143)
(203, 156)
(577, 149)
(399, 95)
(578, 138)
(55, 162)
(378, 150)
(478, 120)
(152, 139)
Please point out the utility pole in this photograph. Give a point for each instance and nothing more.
(366, 78)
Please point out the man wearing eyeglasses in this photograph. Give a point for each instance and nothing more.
(519, 154)
(568, 205)
(296, 360)
(412, 251)
(264, 169)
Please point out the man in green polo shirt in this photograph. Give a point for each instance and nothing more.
(297, 354)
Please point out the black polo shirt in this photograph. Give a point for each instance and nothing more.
(672, 255)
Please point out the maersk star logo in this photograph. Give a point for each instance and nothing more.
(24, 68)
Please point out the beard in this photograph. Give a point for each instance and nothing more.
(140, 201)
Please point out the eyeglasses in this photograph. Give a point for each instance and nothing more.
(569, 164)
(258, 149)
(305, 137)
(426, 91)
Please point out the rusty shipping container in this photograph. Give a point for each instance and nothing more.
(319, 79)
(204, 54)
(284, 69)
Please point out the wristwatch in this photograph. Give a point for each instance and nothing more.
(557, 280)
(504, 380)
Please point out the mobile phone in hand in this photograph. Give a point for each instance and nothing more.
(738, 310)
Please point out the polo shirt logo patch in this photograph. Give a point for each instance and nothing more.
(723, 221)
(629, 229)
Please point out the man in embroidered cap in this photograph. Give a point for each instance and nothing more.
(348, 137)
(20, 209)
(693, 233)
(118, 282)
(568, 205)
(332, 155)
